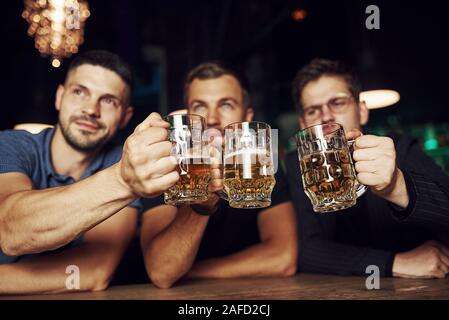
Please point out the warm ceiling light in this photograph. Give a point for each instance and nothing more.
(57, 26)
(376, 99)
(56, 63)
(32, 127)
(299, 14)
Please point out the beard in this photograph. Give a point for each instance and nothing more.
(83, 140)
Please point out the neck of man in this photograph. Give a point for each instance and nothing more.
(67, 160)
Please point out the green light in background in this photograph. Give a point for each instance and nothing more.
(430, 138)
(431, 144)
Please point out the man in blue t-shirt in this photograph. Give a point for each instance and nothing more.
(68, 199)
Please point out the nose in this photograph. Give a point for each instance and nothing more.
(326, 115)
(212, 118)
(92, 108)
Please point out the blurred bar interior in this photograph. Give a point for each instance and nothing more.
(270, 39)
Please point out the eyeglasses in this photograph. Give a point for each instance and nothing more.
(336, 105)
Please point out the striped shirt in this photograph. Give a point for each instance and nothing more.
(374, 230)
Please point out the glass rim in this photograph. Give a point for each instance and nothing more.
(255, 122)
(184, 115)
(318, 125)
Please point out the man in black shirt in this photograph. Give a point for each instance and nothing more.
(398, 223)
(230, 242)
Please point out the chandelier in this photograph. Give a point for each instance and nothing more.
(57, 26)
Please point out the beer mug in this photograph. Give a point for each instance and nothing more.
(190, 149)
(248, 165)
(327, 169)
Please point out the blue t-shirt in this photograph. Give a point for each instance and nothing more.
(21, 151)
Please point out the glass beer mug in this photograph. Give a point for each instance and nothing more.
(248, 165)
(190, 149)
(327, 169)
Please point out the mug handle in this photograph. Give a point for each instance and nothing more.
(222, 194)
(360, 188)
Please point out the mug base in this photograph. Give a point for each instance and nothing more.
(250, 204)
(332, 207)
(187, 201)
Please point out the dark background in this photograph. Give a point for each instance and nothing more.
(163, 39)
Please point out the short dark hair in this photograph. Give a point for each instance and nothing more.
(317, 68)
(216, 69)
(107, 60)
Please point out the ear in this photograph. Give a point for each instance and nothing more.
(249, 114)
(58, 99)
(302, 124)
(126, 117)
(364, 113)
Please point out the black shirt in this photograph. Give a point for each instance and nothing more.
(230, 230)
(374, 230)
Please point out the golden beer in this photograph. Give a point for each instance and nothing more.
(188, 146)
(192, 186)
(248, 179)
(327, 170)
(329, 180)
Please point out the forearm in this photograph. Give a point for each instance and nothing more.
(430, 202)
(39, 220)
(172, 252)
(261, 260)
(47, 274)
(397, 193)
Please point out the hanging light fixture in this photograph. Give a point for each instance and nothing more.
(57, 26)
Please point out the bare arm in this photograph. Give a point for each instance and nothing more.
(276, 255)
(170, 239)
(97, 258)
(33, 221)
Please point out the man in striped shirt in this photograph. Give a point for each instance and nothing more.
(400, 223)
